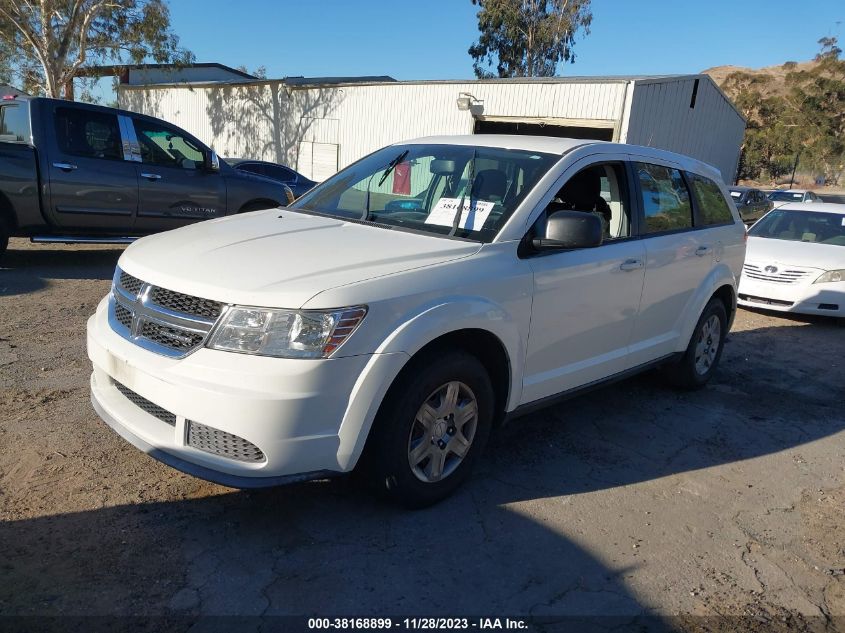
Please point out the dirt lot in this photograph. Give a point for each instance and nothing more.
(634, 500)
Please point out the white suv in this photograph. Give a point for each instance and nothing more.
(400, 310)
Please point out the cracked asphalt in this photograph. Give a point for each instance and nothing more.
(715, 510)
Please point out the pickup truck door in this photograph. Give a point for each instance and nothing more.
(174, 188)
(93, 185)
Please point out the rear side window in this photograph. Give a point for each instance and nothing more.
(713, 209)
(281, 173)
(14, 124)
(253, 168)
(664, 197)
(88, 133)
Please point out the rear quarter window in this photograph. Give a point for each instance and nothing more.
(713, 208)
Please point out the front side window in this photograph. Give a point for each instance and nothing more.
(14, 124)
(801, 226)
(665, 198)
(88, 133)
(165, 147)
(457, 190)
(712, 205)
(600, 190)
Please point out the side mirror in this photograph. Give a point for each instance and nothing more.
(211, 162)
(289, 197)
(570, 230)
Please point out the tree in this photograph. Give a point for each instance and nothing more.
(527, 38)
(44, 44)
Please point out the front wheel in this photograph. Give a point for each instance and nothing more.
(704, 350)
(431, 428)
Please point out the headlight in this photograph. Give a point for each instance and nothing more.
(285, 333)
(831, 276)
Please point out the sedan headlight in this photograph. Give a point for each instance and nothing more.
(285, 333)
(831, 276)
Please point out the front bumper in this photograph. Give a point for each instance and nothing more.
(801, 298)
(307, 417)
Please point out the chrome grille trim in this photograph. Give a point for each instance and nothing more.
(170, 330)
(210, 440)
(145, 405)
(782, 276)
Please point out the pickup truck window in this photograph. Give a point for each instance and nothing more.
(14, 124)
(165, 147)
(87, 133)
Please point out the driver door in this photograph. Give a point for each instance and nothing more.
(174, 189)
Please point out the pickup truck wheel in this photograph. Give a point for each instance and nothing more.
(704, 350)
(431, 429)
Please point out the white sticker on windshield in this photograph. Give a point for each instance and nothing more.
(472, 217)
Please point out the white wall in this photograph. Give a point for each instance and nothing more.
(712, 131)
(293, 126)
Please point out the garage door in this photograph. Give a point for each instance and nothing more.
(317, 161)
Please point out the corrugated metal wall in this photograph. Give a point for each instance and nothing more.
(661, 116)
(273, 122)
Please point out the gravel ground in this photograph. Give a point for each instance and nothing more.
(715, 510)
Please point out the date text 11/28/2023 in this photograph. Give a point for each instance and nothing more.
(417, 623)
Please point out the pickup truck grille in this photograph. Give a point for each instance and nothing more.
(160, 320)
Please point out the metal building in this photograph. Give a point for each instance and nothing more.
(319, 125)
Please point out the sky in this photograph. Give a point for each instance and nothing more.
(428, 39)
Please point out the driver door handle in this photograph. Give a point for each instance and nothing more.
(149, 176)
(631, 264)
(701, 251)
(65, 166)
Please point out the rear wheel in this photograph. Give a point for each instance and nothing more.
(431, 429)
(704, 350)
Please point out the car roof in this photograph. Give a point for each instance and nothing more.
(792, 191)
(561, 146)
(815, 207)
(741, 188)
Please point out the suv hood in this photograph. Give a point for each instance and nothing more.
(280, 258)
(807, 254)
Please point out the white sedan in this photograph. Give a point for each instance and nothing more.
(795, 260)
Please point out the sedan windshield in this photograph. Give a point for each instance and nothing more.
(802, 226)
(456, 190)
(786, 196)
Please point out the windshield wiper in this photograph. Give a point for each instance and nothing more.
(390, 167)
(456, 221)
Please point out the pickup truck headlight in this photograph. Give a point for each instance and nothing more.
(831, 276)
(285, 333)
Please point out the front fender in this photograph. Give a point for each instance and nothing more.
(721, 275)
(415, 332)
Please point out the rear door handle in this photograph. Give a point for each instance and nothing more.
(701, 251)
(631, 264)
(151, 176)
(64, 166)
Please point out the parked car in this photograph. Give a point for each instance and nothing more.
(751, 203)
(298, 183)
(796, 260)
(782, 196)
(74, 172)
(283, 346)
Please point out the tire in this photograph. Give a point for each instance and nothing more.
(414, 437)
(4, 237)
(701, 358)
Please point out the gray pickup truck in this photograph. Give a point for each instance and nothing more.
(74, 172)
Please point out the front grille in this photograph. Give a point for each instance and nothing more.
(766, 301)
(175, 338)
(217, 442)
(142, 403)
(132, 285)
(160, 320)
(780, 276)
(123, 316)
(186, 304)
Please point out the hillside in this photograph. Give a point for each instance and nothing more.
(775, 75)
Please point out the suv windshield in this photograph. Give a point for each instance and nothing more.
(457, 190)
(802, 226)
